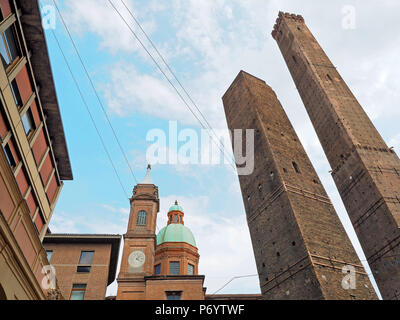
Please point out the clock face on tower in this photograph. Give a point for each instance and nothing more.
(137, 259)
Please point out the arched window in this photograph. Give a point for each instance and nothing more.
(142, 218)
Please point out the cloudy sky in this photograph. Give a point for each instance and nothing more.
(206, 44)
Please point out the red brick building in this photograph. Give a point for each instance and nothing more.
(34, 158)
(85, 264)
(158, 267)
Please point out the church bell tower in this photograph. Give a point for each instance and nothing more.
(139, 241)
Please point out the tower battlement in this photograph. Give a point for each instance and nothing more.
(285, 15)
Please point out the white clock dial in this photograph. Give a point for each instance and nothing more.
(137, 259)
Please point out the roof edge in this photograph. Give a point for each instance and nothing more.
(31, 21)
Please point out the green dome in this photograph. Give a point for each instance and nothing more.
(176, 233)
(175, 207)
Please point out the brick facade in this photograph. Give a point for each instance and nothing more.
(140, 282)
(299, 243)
(365, 170)
(66, 253)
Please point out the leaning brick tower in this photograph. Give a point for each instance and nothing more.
(365, 170)
(300, 245)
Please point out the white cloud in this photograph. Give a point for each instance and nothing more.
(115, 210)
(62, 223)
(110, 220)
(129, 92)
(99, 18)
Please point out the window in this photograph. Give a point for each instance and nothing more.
(142, 218)
(16, 94)
(49, 254)
(86, 257)
(27, 121)
(12, 43)
(175, 218)
(83, 269)
(4, 54)
(85, 261)
(190, 269)
(9, 47)
(296, 167)
(174, 268)
(272, 174)
(173, 295)
(9, 156)
(157, 270)
(78, 291)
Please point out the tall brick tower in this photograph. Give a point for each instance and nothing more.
(299, 243)
(139, 241)
(365, 170)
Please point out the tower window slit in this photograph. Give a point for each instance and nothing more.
(296, 167)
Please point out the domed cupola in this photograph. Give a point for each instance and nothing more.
(176, 231)
(175, 214)
(176, 252)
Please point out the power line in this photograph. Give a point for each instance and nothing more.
(95, 91)
(172, 72)
(90, 114)
(167, 65)
(165, 75)
(234, 278)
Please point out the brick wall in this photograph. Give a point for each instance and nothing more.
(65, 260)
(365, 170)
(299, 244)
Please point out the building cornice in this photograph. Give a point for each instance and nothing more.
(34, 35)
